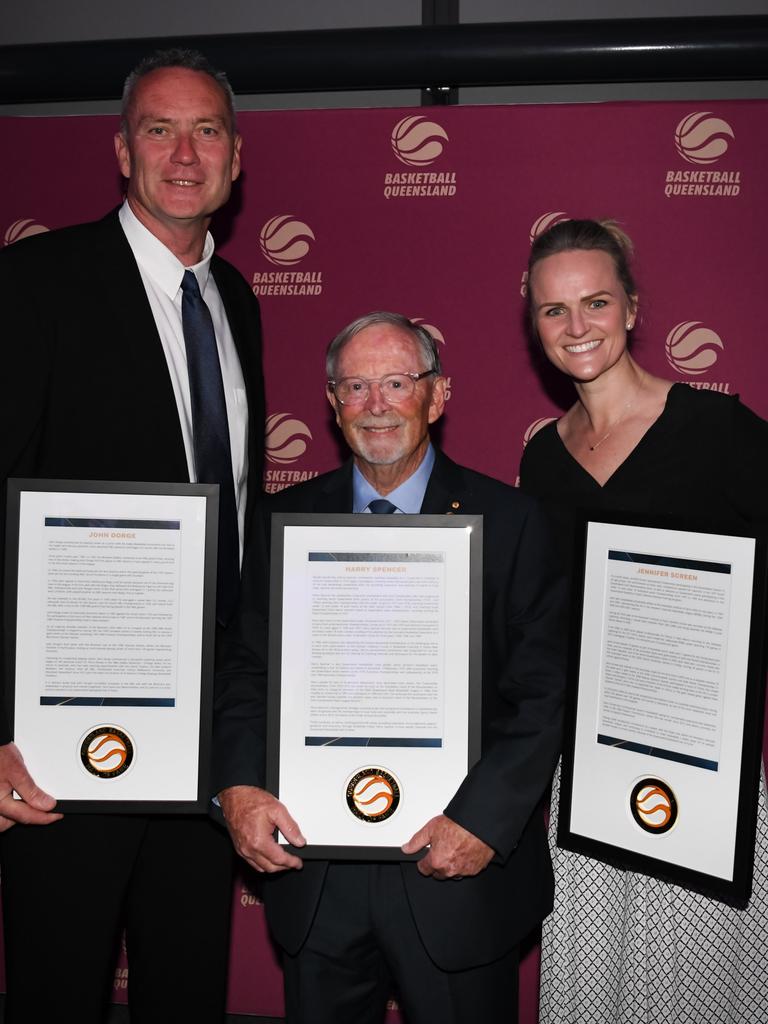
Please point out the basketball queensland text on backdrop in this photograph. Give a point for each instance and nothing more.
(287, 440)
(418, 143)
(285, 241)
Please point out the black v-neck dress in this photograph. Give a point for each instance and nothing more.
(619, 947)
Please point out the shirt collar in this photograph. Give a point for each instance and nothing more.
(408, 497)
(157, 260)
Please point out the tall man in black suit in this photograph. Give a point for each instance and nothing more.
(95, 386)
(444, 930)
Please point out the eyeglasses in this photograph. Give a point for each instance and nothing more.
(394, 388)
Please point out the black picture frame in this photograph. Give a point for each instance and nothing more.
(346, 524)
(735, 889)
(203, 686)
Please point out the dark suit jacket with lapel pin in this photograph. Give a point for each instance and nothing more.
(477, 920)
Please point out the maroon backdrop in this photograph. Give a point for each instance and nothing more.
(431, 214)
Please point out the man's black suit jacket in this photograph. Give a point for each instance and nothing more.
(85, 391)
(476, 920)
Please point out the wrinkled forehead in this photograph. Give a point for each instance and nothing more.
(378, 350)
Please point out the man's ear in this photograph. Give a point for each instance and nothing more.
(334, 404)
(437, 400)
(123, 154)
(238, 142)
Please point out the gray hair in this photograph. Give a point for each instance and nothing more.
(192, 60)
(426, 343)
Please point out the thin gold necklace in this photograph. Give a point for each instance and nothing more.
(625, 410)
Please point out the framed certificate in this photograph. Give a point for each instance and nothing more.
(110, 596)
(374, 674)
(662, 756)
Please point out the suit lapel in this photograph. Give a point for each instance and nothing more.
(132, 336)
(336, 496)
(446, 490)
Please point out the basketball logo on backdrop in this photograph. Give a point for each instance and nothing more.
(373, 794)
(693, 349)
(539, 226)
(24, 228)
(702, 138)
(417, 142)
(286, 438)
(286, 241)
(437, 334)
(545, 222)
(286, 442)
(107, 751)
(653, 806)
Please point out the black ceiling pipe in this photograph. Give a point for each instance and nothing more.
(417, 57)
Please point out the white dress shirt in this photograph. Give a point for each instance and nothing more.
(162, 273)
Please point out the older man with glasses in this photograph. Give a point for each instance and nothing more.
(443, 931)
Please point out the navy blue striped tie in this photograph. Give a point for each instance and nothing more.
(210, 429)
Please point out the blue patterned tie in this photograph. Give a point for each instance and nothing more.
(381, 506)
(210, 429)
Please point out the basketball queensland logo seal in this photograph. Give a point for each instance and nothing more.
(287, 440)
(653, 806)
(107, 751)
(373, 794)
(286, 241)
(417, 142)
(702, 138)
(693, 349)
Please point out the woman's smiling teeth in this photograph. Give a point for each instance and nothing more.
(584, 346)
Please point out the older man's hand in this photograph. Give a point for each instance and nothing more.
(453, 851)
(252, 815)
(35, 806)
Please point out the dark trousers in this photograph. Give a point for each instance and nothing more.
(364, 944)
(70, 887)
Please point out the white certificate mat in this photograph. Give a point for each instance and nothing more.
(374, 674)
(661, 768)
(109, 593)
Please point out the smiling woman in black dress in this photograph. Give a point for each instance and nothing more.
(619, 947)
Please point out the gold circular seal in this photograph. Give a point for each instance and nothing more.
(373, 794)
(653, 805)
(107, 751)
